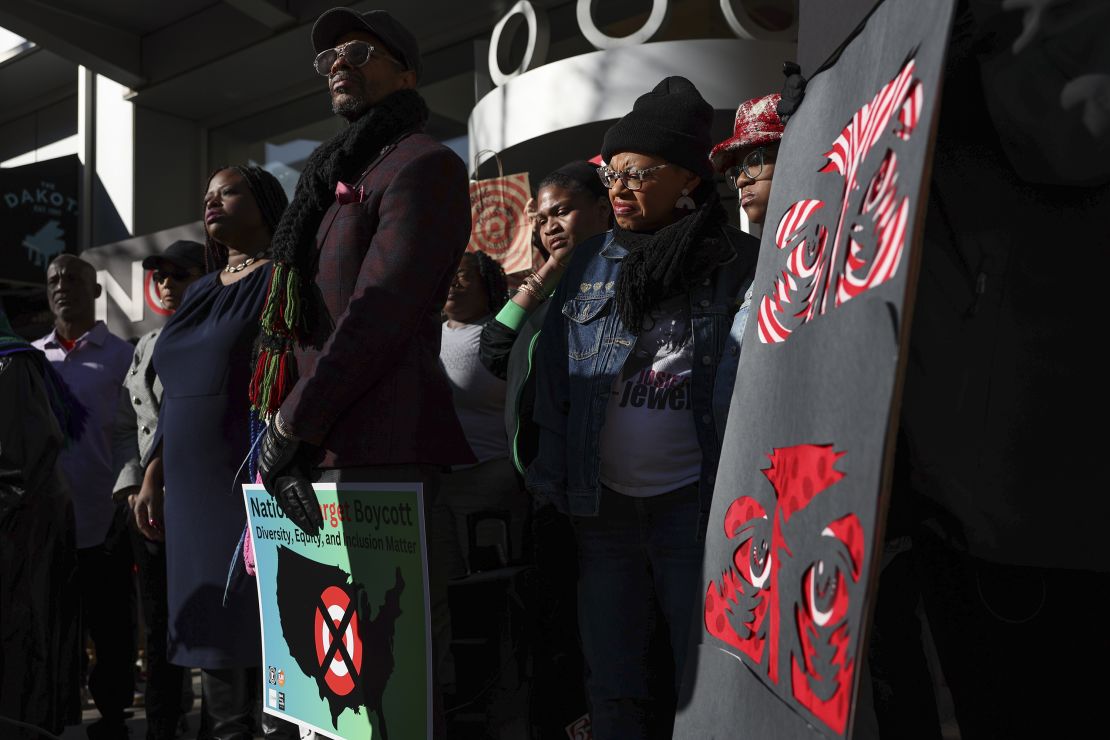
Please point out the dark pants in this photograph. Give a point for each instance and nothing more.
(558, 695)
(639, 566)
(1022, 648)
(231, 707)
(164, 680)
(107, 610)
(905, 703)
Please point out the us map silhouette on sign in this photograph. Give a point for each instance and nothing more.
(344, 613)
(326, 622)
(795, 528)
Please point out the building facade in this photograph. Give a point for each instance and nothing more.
(116, 113)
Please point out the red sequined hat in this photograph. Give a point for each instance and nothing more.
(757, 123)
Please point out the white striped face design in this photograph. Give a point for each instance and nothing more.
(832, 261)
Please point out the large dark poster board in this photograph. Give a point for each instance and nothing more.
(824, 25)
(38, 217)
(795, 530)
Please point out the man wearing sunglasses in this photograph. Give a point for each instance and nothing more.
(364, 257)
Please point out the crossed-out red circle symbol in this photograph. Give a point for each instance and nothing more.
(150, 293)
(338, 645)
(500, 227)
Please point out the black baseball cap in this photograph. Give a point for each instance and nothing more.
(182, 253)
(397, 39)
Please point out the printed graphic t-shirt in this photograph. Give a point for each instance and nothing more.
(649, 444)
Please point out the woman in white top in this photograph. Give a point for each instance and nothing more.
(489, 490)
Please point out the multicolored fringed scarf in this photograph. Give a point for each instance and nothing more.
(70, 413)
(293, 314)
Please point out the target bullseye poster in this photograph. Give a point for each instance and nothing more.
(345, 626)
(499, 223)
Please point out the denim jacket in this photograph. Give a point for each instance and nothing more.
(730, 361)
(582, 349)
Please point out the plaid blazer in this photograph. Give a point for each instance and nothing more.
(374, 393)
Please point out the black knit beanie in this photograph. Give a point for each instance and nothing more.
(673, 121)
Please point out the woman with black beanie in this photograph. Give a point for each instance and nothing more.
(627, 364)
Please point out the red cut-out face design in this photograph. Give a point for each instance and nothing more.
(784, 600)
(821, 675)
(736, 607)
(870, 230)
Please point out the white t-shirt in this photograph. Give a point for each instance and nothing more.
(649, 443)
(478, 394)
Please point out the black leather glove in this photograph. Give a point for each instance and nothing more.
(285, 477)
(793, 90)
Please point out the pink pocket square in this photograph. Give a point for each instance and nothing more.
(345, 194)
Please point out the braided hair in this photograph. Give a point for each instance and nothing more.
(268, 195)
(493, 277)
(578, 176)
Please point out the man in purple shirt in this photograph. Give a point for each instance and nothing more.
(93, 362)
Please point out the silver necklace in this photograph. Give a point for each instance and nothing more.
(245, 263)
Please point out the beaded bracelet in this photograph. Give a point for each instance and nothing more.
(526, 288)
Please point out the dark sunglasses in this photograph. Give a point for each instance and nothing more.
(357, 53)
(161, 276)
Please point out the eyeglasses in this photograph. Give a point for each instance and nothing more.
(161, 276)
(633, 179)
(751, 167)
(356, 52)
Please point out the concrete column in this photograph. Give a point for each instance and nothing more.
(115, 151)
(106, 147)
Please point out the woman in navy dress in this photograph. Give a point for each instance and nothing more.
(203, 358)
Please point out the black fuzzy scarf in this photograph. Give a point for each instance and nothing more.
(669, 261)
(293, 312)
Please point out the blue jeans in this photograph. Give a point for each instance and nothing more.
(639, 561)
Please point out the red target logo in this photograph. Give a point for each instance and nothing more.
(338, 645)
(150, 293)
(499, 224)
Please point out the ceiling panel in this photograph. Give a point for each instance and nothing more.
(135, 16)
(38, 75)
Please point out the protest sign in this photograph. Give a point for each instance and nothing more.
(795, 531)
(345, 626)
(499, 222)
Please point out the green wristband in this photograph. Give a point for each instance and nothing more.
(512, 316)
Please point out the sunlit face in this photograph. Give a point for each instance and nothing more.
(467, 299)
(653, 205)
(71, 289)
(354, 89)
(230, 211)
(566, 218)
(756, 193)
